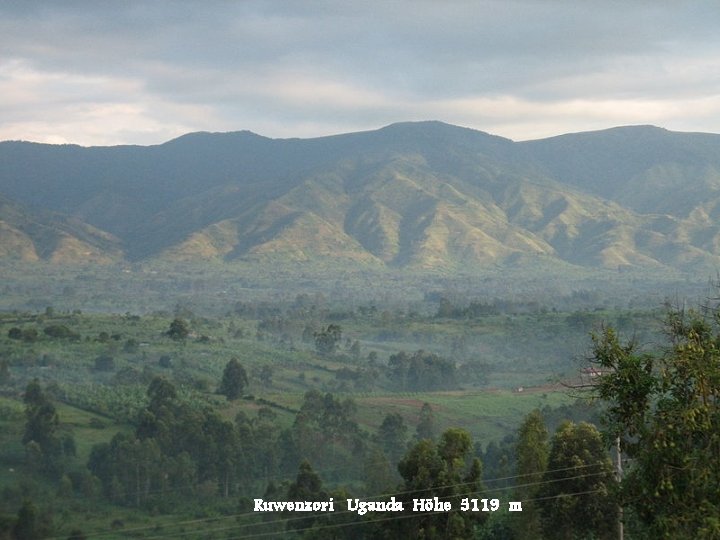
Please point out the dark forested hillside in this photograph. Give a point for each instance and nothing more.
(411, 195)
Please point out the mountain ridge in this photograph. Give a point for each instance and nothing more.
(408, 195)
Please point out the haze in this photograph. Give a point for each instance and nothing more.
(105, 73)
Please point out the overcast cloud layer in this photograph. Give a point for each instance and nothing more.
(98, 73)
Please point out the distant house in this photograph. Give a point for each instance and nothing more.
(590, 373)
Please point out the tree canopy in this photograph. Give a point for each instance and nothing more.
(575, 496)
(179, 329)
(445, 470)
(234, 380)
(666, 410)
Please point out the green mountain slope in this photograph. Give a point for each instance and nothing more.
(39, 235)
(411, 195)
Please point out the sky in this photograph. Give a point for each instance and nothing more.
(101, 72)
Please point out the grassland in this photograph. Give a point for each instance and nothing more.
(516, 356)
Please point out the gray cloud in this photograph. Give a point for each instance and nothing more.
(141, 72)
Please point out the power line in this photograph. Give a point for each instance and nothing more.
(362, 521)
(454, 495)
(320, 472)
(384, 495)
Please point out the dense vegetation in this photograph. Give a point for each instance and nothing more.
(413, 196)
(396, 323)
(169, 423)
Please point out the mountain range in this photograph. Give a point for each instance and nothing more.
(409, 195)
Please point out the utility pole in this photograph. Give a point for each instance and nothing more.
(619, 472)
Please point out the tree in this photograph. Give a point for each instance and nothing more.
(421, 371)
(392, 435)
(426, 428)
(131, 346)
(445, 470)
(104, 362)
(15, 333)
(41, 426)
(158, 419)
(234, 380)
(26, 527)
(355, 350)
(165, 361)
(327, 340)
(224, 456)
(60, 331)
(531, 455)
(265, 375)
(127, 467)
(379, 475)
(161, 394)
(306, 487)
(5, 376)
(575, 496)
(30, 334)
(325, 428)
(179, 330)
(666, 411)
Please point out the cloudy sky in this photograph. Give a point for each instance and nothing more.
(107, 72)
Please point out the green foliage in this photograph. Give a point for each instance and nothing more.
(165, 361)
(182, 449)
(179, 330)
(327, 340)
(41, 429)
(104, 362)
(306, 487)
(666, 409)
(445, 470)
(234, 380)
(128, 468)
(531, 450)
(28, 334)
(34, 396)
(426, 427)
(175, 439)
(131, 346)
(575, 496)
(265, 375)
(355, 350)
(378, 220)
(379, 475)
(392, 436)
(325, 429)
(161, 394)
(15, 333)
(422, 371)
(531, 455)
(5, 376)
(60, 331)
(27, 526)
(77, 534)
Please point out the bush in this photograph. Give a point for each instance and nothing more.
(60, 331)
(104, 363)
(15, 333)
(165, 361)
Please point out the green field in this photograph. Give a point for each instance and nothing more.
(96, 368)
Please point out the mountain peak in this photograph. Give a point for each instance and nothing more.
(210, 136)
(418, 194)
(432, 127)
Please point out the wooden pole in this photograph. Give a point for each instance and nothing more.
(619, 471)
